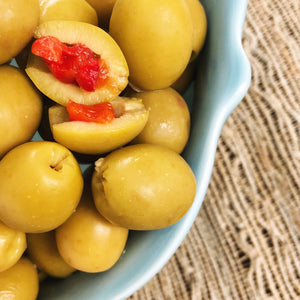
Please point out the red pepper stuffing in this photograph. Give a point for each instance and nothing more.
(98, 113)
(75, 64)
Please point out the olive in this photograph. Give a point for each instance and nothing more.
(42, 250)
(72, 10)
(156, 39)
(143, 187)
(104, 9)
(95, 39)
(17, 23)
(20, 109)
(94, 138)
(169, 119)
(76, 10)
(198, 16)
(40, 186)
(12, 246)
(87, 241)
(20, 282)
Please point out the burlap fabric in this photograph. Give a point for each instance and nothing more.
(245, 242)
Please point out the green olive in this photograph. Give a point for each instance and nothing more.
(17, 23)
(42, 250)
(40, 186)
(143, 187)
(198, 16)
(75, 10)
(87, 241)
(104, 9)
(156, 39)
(169, 119)
(20, 282)
(12, 246)
(20, 109)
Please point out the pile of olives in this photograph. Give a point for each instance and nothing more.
(56, 219)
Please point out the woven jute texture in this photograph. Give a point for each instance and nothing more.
(245, 242)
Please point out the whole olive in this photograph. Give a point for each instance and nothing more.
(76, 10)
(12, 246)
(104, 9)
(20, 282)
(20, 109)
(156, 39)
(40, 186)
(17, 23)
(198, 16)
(143, 187)
(87, 241)
(169, 119)
(42, 250)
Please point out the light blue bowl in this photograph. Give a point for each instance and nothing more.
(223, 79)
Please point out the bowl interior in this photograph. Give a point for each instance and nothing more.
(222, 81)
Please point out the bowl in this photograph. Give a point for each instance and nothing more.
(223, 77)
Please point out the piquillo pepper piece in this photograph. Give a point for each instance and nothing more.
(101, 113)
(76, 64)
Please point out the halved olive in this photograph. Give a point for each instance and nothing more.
(94, 138)
(99, 44)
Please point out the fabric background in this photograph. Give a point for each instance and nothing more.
(245, 242)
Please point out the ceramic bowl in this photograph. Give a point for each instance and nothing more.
(222, 81)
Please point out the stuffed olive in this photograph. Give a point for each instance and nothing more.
(78, 61)
(108, 126)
